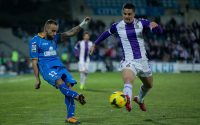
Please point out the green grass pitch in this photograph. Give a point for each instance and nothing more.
(174, 100)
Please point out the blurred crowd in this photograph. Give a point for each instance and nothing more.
(178, 43)
(14, 64)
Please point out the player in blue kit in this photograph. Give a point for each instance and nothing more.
(134, 61)
(45, 61)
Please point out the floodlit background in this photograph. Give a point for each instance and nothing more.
(178, 49)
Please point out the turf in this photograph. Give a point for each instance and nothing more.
(174, 100)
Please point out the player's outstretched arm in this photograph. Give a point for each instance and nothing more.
(101, 38)
(153, 25)
(36, 73)
(156, 28)
(75, 30)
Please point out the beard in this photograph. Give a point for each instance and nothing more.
(49, 37)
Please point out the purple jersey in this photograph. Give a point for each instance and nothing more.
(82, 50)
(131, 38)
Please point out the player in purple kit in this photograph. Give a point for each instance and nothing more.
(43, 52)
(81, 50)
(134, 62)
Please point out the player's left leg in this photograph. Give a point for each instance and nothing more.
(70, 106)
(145, 87)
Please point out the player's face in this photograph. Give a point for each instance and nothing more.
(128, 15)
(86, 37)
(51, 31)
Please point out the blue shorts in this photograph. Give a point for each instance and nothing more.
(51, 75)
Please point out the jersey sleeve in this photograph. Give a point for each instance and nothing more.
(33, 48)
(145, 23)
(106, 34)
(113, 28)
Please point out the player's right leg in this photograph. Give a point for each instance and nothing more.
(54, 77)
(83, 75)
(67, 91)
(128, 78)
(82, 80)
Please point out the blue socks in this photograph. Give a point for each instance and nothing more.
(69, 99)
(70, 106)
(67, 91)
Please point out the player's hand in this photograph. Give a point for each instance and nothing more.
(37, 84)
(153, 25)
(85, 21)
(92, 49)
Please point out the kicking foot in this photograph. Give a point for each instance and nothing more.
(73, 120)
(128, 104)
(81, 99)
(141, 104)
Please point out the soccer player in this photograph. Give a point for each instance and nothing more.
(46, 62)
(134, 62)
(81, 50)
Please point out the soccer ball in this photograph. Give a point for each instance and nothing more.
(117, 99)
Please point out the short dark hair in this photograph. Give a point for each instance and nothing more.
(48, 22)
(86, 32)
(51, 21)
(129, 6)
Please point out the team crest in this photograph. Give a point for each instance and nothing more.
(34, 48)
(128, 65)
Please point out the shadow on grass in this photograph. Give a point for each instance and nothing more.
(158, 121)
(97, 90)
(155, 122)
(93, 120)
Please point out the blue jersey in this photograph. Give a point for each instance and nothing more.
(50, 66)
(45, 50)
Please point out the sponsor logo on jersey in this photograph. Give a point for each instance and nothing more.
(51, 52)
(44, 44)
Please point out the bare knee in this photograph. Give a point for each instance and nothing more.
(128, 76)
(149, 85)
(147, 82)
(59, 82)
(127, 79)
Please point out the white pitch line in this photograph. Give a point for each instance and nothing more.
(15, 80)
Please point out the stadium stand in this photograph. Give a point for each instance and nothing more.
(169, 3)
(179, 43)
(194, 4)
(114, 3)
